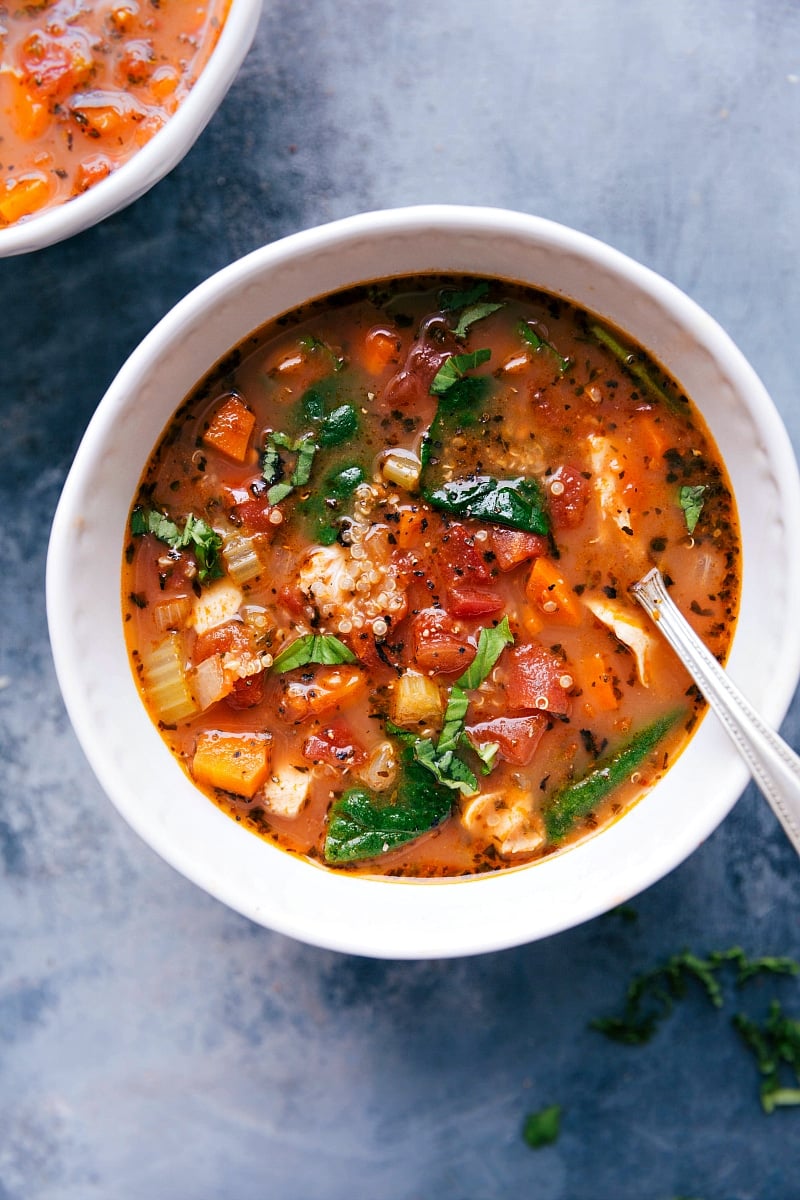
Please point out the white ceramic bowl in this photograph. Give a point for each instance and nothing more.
(157, 157)
(388, 917)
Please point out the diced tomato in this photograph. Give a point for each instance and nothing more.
(255, 515)
(410, 386)
(462, 558)
(535, 679)
(312, 693)
(473, 601)
(514, 546)
(516, 737)
(567, 497)
(334, 745)
(232, 635)
(292, 598)
(247, 692)
(438, 644)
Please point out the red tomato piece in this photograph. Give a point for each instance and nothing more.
(514, 546)
(535, 680)
(473, 602)
(255, 515)
(567, 497)
(516, 737)
(410, 386)
(335, 746)
(462, 557)
(247, 692)
(232, 635)
(438, 644)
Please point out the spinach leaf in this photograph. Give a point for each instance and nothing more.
(363, 824)
(518, 503)
(338, 426)
(322, 649)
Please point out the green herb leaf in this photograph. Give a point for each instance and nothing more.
(691, 501)
(486, 751)
(517, 503)
(312, 343)
(338, 426)
(446, 767)
(455, 367)
(450, 301)
(196, 535)
(542, 1128)
(630, 360)
(534, 339)
(278, 492)
(322, 649)
(577, 799)
(362, 824)
(775, 1044)
(491, 643)
(471, 314)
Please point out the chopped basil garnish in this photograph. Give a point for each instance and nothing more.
(471, 314)
(542, 1128)
(451, 301)
(455, 367)
(323, 649)
(535, 340)
(691, 501)
(196, 535)
(303, 447)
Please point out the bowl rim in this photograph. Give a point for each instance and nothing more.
(429, 931)
(157, 157)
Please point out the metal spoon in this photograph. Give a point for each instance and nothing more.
(773, 764)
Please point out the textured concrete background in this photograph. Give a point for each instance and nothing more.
(154, 1044)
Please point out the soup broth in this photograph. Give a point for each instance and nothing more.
(375, 586)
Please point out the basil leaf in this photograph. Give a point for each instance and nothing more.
(363, 825)
(323, 649)
(306, 449)
(270, 461)
(446, 767)
(486, 751)
(542, 1128)
(451, 301)
(471, 314)
(491, 643)
(196, 535)
(455, 367)
(456, 711)
(518, 503)
(539, 343)
(278, 492)
(691, 501)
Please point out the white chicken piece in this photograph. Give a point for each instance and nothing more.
(627, 626)
(353, 586)
(287, 790)
(217, 603)
(606, 469)
(506, 818)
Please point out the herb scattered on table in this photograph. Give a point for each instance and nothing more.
(542, 1128)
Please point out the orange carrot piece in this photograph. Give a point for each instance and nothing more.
(230, 428)
(381, 349)
(410, 526)
(598, 683)
(30, 116)
(237, 763)
(550, 593)
(331, 689)
(22, 198)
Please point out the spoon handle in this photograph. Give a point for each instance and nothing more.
(773, 764)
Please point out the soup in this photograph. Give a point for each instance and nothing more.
(84, 86)
(375, 587)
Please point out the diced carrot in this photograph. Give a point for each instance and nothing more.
(164, 82)
(89, 172)
(413, 522)
(549, 591)
(381, 350)
(23, 197)
(597, 682)
(653, 437)
(30, 116)
(237, 763)
(230, 428)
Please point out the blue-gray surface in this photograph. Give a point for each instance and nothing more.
(153, 1043)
